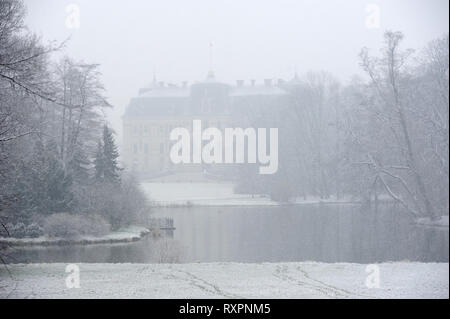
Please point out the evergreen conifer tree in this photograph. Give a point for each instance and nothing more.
(108, 165)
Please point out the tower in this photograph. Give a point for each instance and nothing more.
(210, 75)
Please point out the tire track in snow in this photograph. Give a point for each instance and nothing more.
(337, 289)
(190, 279)
(281, 272)
(203, 284)
(200, 281)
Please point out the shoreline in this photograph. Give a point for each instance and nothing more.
(214, 194)
(234, 203)
(126, 235)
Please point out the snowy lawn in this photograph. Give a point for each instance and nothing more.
(227, 280)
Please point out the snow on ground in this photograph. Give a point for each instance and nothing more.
(202, 194)
(215, 194)
(316, 199)
(441, 222)
(227, 280)
(127, 234)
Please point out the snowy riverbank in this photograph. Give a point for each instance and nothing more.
(441, 222)
(127, 234)
(199, 194)
(227, 280)
(216, 194)
(179, 194)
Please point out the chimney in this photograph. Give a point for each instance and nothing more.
(268, 82)
(240, 83)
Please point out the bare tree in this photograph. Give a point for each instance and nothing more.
(390, 82)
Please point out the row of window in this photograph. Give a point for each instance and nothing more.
(145, 148)
(145, 164)
(152, 130)
(165, 129)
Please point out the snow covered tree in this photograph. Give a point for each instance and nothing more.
(43, 187)
(391, 84)
(106, 159)
(110, 157)
(82, 99)
(99, 162)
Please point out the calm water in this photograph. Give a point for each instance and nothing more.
(328, 233)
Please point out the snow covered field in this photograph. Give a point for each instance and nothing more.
(227, 280)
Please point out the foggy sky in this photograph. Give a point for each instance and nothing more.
(134, 39)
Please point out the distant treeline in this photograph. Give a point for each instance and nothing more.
(384, 134)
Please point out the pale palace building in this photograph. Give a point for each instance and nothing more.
(150, 117)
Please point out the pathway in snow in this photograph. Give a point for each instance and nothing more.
(227, 280)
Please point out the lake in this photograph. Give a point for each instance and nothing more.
(314, 232)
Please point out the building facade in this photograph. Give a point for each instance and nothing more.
(150, 117)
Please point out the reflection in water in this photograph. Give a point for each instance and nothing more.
(148, 250)
(328, 233)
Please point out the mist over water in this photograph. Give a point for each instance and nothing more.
(322, 233)
(224, 148)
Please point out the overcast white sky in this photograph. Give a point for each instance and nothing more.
(252, 39)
